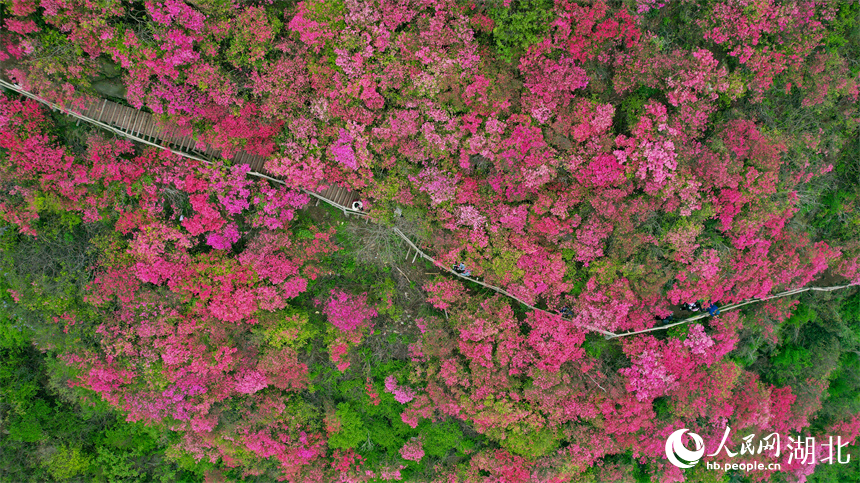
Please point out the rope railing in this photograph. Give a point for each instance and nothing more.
(737, 306)
(491, 287)
(347, 210)
(608, 334)
(90, 120)
(122, 133)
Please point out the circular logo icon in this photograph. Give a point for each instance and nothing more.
(679, 455)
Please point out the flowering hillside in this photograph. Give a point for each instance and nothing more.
(595, 172)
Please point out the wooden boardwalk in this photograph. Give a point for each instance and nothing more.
(142, 126)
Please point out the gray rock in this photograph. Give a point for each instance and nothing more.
(109, 68)
(112, 88)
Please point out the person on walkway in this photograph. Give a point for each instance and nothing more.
(357, 205)
(661, 321)
(692, 307)
(713, 309)
(566, 312)
(461, 269)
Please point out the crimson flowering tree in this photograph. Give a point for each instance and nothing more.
(350, 315)
(412, 451)
(612, 169)
(189, 308)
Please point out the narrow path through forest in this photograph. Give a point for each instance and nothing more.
(141, 127)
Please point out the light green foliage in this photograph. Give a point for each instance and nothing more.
(252, 34)
(600, 348)
(187, 463)
(49, 272)
(836, 473)
(845, 27)
(386, 291)
(59, 54)
(850, 310)
(802, 315)
(568, 254)
(51, 38)
(67, 462)
(51, 204)
(838, 205)
(123, 447)
(18, 385)
(388, 432)
(117, 466)
(701, 474)
(520, 25)
(532, 443)
(304, 234)
(328, 12)
(27, 427)
(679, 331)
(10, 335)
(634, 104)
(385, 437)
(440, 438)
(352, 430)
(605, 271)
(843, 392)
(789, 359)
(844, 383)
(292, 330)
(505, 264)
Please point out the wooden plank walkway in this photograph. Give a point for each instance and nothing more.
(142, 126)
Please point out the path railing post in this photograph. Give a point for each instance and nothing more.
(411, 246)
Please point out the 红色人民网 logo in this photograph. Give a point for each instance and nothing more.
(679, 455)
